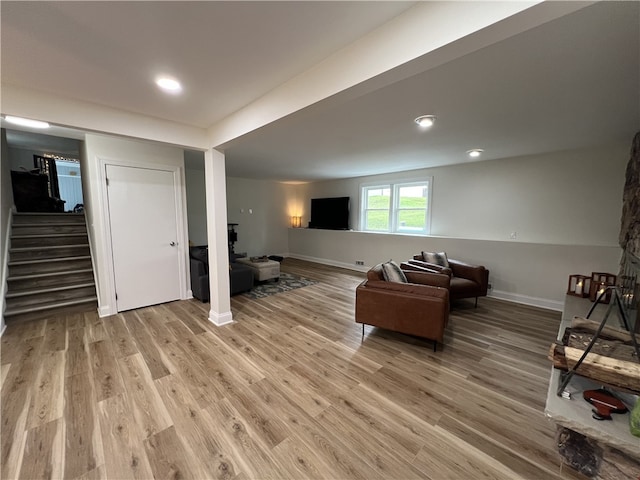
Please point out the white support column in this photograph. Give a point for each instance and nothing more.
(215, 180)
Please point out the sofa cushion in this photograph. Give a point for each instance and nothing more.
(439, 258)
(393, 273)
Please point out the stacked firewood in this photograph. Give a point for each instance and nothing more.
(612, 360)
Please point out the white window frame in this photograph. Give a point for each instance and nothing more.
(394, 188)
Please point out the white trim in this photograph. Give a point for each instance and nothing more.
(394, 186)
(333, 263)
(5, 270)
(105, 311)
(527, 300)
(220, 319)
(179, 194)
(92, 253)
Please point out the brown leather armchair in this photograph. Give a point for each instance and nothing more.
(416, 308)
(466, 281)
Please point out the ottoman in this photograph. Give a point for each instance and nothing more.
(262, 271)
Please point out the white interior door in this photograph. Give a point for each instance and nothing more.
(144, 236)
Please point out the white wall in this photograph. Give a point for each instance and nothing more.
(530, 273)
(570, 197)
(564, 206)
(6, 204)
(196, 197)
(263, 232)
(104, 148)
(22, 158)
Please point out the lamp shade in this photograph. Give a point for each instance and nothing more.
(296, 222)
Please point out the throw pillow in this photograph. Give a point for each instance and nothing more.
(392, 272)
(436, 258)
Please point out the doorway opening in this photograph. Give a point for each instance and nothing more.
(64, 180)
(45, 172)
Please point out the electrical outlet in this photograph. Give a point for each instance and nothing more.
(489, 287)
(359, 262)
(513, 235)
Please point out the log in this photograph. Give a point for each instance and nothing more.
(614, 372)
(556, 355)
(608, 332)
(602, 346)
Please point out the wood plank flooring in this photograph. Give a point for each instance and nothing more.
(289, 390)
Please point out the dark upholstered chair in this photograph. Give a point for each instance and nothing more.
(414, 308)
(466, 281)
(240, 276)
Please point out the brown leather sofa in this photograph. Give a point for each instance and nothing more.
(466, 281)
(417, 308)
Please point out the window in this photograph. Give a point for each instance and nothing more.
(396, 207)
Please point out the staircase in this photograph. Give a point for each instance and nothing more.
(50, 269)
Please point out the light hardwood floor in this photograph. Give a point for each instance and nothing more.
(290, 390)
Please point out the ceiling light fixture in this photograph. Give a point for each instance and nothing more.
(475, 153)
(426, 121)
(26, 122)
(169, 85)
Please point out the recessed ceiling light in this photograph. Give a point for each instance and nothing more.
(475, 153)
(426, 121)
(26, 122)
(169, 85)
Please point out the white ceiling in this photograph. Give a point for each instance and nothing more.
(571, 83)
(226, 54)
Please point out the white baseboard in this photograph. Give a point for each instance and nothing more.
(333, 263)
(220, 319)
(500, 295)
(105, 311)
(189, 295)
(4, 327)
(527, 300)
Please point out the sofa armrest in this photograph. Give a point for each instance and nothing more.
(199, 280)
(475, 273)
(428, 278)
(408, 288)
(430, 266)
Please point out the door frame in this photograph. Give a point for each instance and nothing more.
(180, 201)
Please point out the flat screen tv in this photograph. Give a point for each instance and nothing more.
(330, 213)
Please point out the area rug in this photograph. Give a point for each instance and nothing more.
(287, 282)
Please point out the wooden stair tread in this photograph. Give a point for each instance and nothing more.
(44, 224)
(48, 235)
(47, 260)
(47, 247)
(53, 214)
(49, 305)
(22, 293)
(48, 274)
(50, 265)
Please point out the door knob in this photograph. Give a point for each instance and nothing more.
(173, 244)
